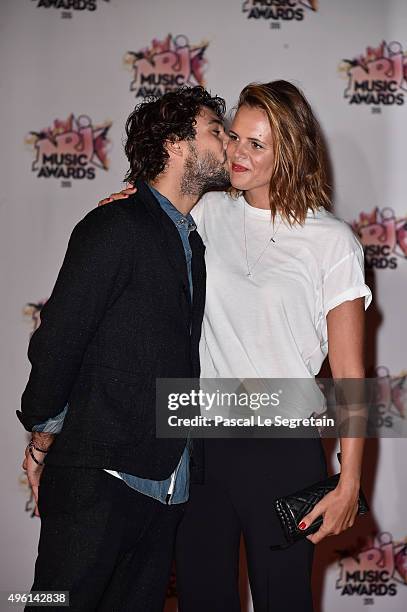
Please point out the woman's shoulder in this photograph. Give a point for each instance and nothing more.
(332, 236)
(210, 203)
(216, 198)
(328, 225)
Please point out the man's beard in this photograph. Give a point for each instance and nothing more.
(202, 174)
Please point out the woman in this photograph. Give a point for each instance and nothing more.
(285, 288)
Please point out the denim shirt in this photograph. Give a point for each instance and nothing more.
(158, 489)
(184, 224)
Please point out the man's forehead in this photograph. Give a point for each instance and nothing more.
(207, 116)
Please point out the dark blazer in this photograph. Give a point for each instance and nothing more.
(119, 316)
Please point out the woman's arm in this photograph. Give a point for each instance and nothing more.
(345, 341)
(346, 347)
(121, 195)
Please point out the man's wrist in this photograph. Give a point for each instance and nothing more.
(43, 441)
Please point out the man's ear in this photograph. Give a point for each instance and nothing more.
(175, 147)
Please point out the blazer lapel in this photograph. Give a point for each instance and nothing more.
(170, 240)
(198, 273)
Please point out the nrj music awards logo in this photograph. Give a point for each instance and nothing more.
(69, 5)
(278, 10)
(166, 65)
(32, 313)
(383, 236)
(71, 149)
(378, 569)
(379, 77)
(389, 410)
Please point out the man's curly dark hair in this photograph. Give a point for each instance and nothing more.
(158, 120)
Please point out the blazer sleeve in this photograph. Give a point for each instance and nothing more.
(96, 269)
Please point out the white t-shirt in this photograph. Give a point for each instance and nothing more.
(273, 323)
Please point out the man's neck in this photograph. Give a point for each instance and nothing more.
(170, 189)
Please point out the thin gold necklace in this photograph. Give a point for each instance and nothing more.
(269, 241)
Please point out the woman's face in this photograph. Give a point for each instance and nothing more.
(250, 150)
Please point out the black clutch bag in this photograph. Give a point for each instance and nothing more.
(292, 508)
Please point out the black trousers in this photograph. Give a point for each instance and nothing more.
(242, 477)
(108, 545)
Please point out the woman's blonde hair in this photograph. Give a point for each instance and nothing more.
(299, 181)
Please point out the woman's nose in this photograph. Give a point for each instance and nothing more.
(240, 151)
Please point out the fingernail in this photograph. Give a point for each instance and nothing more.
(302, 525)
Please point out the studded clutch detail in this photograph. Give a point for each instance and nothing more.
(292, 508)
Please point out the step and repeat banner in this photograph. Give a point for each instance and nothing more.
(72, 71)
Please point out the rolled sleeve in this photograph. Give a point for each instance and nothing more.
(52, 425)
(345, 281)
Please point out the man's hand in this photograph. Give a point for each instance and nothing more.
(125, 193)
(34, 466)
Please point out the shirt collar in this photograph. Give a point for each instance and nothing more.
(177, 217)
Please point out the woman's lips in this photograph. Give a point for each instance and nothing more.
(238, 168)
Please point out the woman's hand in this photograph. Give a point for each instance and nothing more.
(125, 193)
(338, 509)
(345, 339)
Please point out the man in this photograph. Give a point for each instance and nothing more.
(126, 309)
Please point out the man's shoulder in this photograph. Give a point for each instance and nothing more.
(118, 216)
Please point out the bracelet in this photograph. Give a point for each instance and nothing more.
(30, 450)
(32, 445)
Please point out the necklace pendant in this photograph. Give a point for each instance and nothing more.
(249, 274)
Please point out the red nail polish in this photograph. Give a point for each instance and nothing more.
(302, 525)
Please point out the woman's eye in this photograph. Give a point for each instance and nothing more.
(256, 145)
(232, 137)
(217, 132)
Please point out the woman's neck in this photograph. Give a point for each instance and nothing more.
(258, 198)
